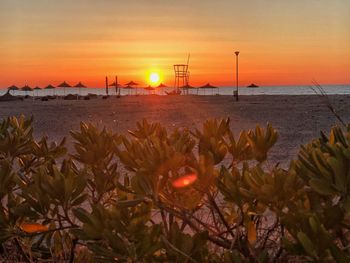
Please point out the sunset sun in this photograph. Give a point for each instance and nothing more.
(154, 78)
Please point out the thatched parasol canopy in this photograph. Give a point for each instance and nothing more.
(113, 85)
(80, 85)
(131, 83)
(149, 88)
(253, 86)
(161, 85)
(49, 87)
(208, 86)
(64, 85)
(26, 88)
(13, 87)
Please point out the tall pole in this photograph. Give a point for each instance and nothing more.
(236, 95)
(106, 85)
(118, 90)
(116, 85)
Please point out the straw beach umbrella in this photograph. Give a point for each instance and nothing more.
(51, 87)
(36, 89)
(161, 85)
(64, 85)
(13, 87)
(149, 88)
(129, 88)
(79, 85)
(26, 88)
(113, 85)
(116, 88)
(131, 84)
(208, 86)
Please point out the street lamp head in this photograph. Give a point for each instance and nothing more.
(237, 52)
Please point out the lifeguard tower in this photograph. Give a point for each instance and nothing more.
(181, 76)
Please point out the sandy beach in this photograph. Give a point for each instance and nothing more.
(297, 118)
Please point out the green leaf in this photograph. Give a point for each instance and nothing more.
(307, 244)
(130, 203)
(321, 186)
(82, 215)
(79, 200)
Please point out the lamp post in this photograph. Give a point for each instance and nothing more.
(106, 86)
(236, 93)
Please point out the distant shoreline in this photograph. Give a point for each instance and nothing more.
(267, 90)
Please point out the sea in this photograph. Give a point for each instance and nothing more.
(265, 90)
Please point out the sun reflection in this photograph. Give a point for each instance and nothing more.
(185, 181)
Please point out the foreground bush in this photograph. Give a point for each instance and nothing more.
(178, 196)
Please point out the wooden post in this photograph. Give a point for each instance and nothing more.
(106, 85)
(116, 85)
(236, 93)
(119, 91)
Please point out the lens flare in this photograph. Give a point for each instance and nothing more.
(33, 228)
(185, 181)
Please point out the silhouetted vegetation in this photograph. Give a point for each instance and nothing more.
(171, 196)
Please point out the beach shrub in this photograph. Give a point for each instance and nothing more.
(155, 195)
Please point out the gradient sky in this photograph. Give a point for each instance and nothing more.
(281, 42)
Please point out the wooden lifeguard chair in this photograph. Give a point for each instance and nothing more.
(181, 76)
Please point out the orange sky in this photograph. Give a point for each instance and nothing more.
(281, 42)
